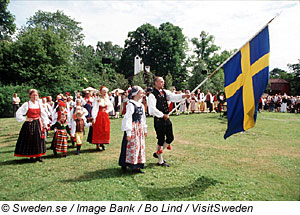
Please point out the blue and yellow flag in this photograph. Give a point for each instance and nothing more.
(246, 77)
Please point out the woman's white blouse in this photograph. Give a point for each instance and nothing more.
(22, 111)
(101, 102)
(127, 120)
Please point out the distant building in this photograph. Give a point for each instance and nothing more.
(279, 86)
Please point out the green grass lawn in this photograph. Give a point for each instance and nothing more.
(261, 164)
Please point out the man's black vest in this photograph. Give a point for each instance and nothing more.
(161, 101)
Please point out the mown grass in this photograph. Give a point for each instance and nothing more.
(261, 164)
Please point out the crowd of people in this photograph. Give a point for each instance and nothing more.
(280, 103)
(69, 115)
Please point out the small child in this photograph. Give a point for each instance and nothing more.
(135, 130)
(78, 124)
(60, 143)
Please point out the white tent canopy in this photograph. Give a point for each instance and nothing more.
(90, 89)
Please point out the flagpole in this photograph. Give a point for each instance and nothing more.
(228, 59)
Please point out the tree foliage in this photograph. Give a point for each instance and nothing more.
(163, 49)
(7, 25)
(61, 24)
(206, 60)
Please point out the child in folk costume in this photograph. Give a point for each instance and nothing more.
(135, 130)
(101, 123)
(31, 141)
(56, 115)
(60, 143)
(78, 124)
(193, 102)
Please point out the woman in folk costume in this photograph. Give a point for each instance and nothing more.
(60, 142)
(78, 124)
(125, 102)
(193, 102)
(31, 141)
(135, 130)
(101, 123)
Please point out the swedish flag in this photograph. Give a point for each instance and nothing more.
(246, 77)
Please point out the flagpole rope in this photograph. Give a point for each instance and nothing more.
(228, 59)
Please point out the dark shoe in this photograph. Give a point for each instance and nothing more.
(138, 171)
(155, 155)
(124, 169)
(103, 147)
(78, 150)
(54, 152)
(39, 159)
(32, 159)
(163, 164)
(64, 155)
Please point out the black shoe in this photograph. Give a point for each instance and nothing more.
(39, 159)
(54, 152)
(124, 169)
(138, 171)
(163, 164)
(155, 155)
(65, 155)
(32, 159)
(78, 150)
(103, 147)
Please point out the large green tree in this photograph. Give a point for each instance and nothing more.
(163, 49)
(7, 25)
(63, 25)
(205, 60)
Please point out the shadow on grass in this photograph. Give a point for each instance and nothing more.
(11, 138)
(100, 174)
(4, 152)
(17, 162)
(175, 193)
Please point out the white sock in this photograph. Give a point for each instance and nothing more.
(160, 157)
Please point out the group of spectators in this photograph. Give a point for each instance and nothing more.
(199, 102)
(280, 103)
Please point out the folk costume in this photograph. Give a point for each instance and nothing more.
(101, 128)
(88, 106)
(201, 99)
(60, 142)
(117, 105)
(77, 131)
(193, 103)
(158, 106)
(31, 141)
(125, 102)
(56, 115)
(209, 99)
(134, 125)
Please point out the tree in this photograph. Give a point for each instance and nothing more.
(294, 82)
(162, 49)
(138, 80)
(61, 24)
(139, 42)
(206, 61)
(7, 25)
